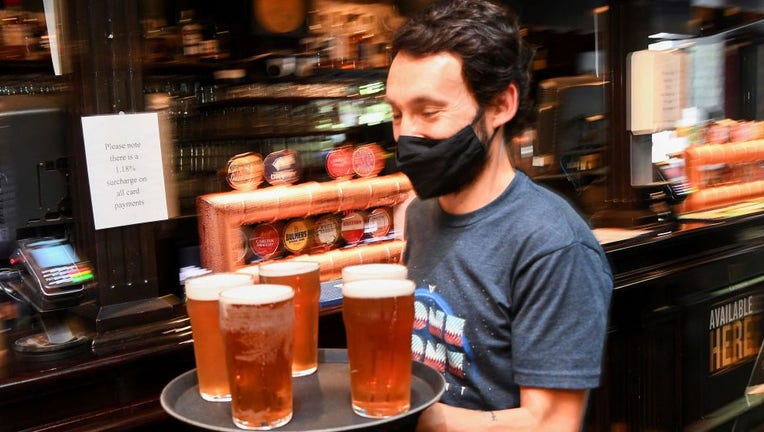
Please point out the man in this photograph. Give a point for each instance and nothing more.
(513, 289)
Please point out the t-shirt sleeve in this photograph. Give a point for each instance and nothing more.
(559, 304)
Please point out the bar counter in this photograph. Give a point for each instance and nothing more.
(665, 369)
(83, 391)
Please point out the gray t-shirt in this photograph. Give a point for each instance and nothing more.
(515, 293)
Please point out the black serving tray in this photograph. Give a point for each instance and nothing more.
(321, 400)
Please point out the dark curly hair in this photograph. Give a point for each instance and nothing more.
(486, 35)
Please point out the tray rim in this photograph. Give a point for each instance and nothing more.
(432, 378)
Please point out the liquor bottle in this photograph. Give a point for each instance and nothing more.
(190, 33)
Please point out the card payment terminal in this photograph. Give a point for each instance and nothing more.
(52, 274)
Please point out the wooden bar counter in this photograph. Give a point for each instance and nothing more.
(685, 330)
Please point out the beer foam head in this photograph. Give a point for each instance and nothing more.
(374, 271)
(256, 294)
(251, 270)
(287, 268)
(378, 288)
(208, 286)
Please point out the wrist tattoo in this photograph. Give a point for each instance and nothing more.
(493, 416)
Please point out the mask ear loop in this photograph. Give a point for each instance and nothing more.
(478, 116)
(490, 140)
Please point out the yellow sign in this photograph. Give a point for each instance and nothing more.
(734, 333)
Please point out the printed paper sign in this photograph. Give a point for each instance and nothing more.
(124, 161)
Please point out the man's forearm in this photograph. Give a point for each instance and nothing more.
(542, 410)
(445, 418)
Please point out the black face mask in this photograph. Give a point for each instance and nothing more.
(440, 167)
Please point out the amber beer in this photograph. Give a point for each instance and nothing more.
(374, 271)
(202, 306)
(256, 324)
(304, 278)
(379, 318)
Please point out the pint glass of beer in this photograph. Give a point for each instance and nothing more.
(256, 323)
(202, 307)
(303, 277)
(379, 318)
(374, 271)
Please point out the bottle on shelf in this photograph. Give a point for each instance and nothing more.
(190, 33)
(23, 34)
